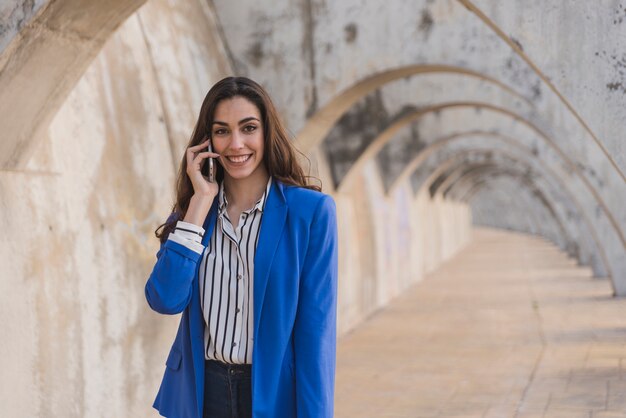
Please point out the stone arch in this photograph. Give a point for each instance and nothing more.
(318, 125)
(538, 132)
(43, 63)
(426, 178)
(592, 186)
(554, 229)
(470, 177)
(453, 164)
(374, 147)
(384, 137)
(550, 174)
(388, 134)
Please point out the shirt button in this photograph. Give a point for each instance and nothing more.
(232, 371)
(234, 344)
(237, 310)
(239, 276)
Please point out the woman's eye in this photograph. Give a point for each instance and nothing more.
(249, 128)
(219, 132)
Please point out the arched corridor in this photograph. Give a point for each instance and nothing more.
(474, 150)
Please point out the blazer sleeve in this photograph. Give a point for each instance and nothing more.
(169, 287)
(315, 326)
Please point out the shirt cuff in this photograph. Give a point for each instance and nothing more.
(189, 231)
(189, 235)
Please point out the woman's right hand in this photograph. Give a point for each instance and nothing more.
(204, 190)
(196, 157)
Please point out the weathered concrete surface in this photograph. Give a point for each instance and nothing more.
(579, 47)
(14, 15)
(510, 327)
(344, 73)
(389, 242)
(43, 61)
(78, 337)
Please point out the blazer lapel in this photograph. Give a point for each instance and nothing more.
(209, 222)
(272, 224)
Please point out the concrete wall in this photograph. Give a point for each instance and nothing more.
(418, 118)
(389, 242)
(546, 77)
(78, 337)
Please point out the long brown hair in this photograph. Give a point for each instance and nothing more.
(279, 157)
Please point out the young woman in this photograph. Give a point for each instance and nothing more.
(251, 262)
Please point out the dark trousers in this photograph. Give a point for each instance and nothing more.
(227, 390)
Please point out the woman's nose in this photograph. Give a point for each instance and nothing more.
(236, 140)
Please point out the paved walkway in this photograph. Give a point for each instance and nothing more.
(509, 328)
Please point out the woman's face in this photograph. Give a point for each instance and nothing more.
(237, 135)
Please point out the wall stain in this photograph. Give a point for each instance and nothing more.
(536, 90)
(404, 111)
(620, 15)
(398, 153)
(589, 170)
(26, 10)
(351, 32)
(255, 53)
(426, 23)
(535, 151)
(354, 131)
(618, 64)
(517, 43)
(616, 85)
(523, 76)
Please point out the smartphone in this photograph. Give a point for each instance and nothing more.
(211, 164)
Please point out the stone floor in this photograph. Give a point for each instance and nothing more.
(510, 327)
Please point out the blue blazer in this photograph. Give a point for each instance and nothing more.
(295, 304)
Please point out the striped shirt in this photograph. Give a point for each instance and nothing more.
(226, 279)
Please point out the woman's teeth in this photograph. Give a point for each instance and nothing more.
(238, 158)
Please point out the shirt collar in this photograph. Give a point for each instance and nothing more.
(259, 205)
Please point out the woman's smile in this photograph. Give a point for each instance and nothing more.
(238, 159)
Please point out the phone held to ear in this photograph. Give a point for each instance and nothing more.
(211, 164)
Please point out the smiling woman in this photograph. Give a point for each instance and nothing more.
(251, 262)
(237, 135)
